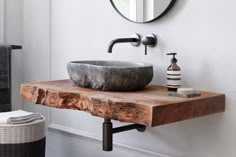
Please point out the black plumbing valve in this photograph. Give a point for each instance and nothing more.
(149, 40)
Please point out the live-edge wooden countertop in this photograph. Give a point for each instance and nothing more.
(151, 106)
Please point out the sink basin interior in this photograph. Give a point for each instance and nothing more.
(114, 64)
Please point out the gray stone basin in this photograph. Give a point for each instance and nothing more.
(110, 75)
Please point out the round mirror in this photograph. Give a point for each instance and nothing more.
(142, 11)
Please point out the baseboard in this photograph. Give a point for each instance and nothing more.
(93, 138)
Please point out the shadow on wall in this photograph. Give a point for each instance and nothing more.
(168, 137)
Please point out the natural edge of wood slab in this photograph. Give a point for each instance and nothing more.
(122, 111)
(150, 107)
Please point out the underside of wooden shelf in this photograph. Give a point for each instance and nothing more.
(150, 107)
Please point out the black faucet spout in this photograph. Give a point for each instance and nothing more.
(133, 40)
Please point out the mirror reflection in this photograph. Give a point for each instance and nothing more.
(142, 11)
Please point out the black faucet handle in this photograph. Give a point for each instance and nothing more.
(149, 40)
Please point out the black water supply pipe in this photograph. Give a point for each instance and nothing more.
(108, 132)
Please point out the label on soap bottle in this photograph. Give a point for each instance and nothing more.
(173, 79)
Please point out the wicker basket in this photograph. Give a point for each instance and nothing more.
(25, 140)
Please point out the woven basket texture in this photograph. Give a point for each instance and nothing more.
(25, 140)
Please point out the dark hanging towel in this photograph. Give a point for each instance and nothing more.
(5, 77)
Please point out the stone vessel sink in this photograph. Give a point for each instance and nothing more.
(110, 75)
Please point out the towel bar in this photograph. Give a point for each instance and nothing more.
(16, 47)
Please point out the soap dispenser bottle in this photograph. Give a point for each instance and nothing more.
(173, 74)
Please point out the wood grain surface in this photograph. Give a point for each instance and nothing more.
(151, 106)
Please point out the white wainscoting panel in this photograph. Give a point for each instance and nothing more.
(86, 136)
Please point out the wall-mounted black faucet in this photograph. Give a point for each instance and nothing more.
(135, 40)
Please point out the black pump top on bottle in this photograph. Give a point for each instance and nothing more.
(173, 60)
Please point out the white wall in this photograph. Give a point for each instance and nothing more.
(11, 32)
(202, 32)
(1, 20)
(36, 43)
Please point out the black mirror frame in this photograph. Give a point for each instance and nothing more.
(158, 17)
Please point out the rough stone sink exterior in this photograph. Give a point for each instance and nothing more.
(110, 75)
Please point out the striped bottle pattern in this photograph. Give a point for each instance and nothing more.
(173, 79)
